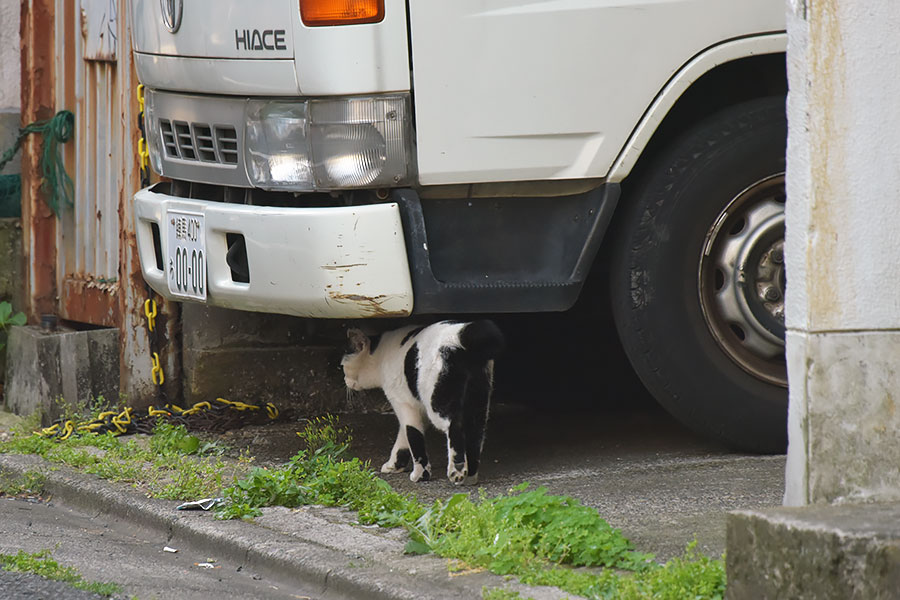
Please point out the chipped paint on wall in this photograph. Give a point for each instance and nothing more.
(843, 299)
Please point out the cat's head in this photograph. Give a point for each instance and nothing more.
(355, 360)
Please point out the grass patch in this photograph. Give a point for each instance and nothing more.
(173, 466)
(41, 564)
(501, 594)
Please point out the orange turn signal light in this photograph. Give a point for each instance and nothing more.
(318, 13)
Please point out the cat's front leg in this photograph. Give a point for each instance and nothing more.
(401, 458)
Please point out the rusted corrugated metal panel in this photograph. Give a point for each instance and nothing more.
(99, 24)
(39, 223)
(88, 236)
(99, 275)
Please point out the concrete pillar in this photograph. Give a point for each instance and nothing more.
(10, 118)
(843, 251)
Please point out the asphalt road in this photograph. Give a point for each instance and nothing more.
(112, 550)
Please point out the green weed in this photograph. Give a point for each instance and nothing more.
(501, 594)
(7, 320)
(691, 576)
(324, 435)
(28, 424)
(30, 484)
(82, 410)
(41, 564)
(320, 475)
(522, 529)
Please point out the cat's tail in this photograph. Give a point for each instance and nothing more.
(482, 340)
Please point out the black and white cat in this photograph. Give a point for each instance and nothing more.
(442, 372)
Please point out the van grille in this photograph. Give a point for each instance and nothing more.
(199, 141)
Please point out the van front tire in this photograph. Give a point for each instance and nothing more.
(697, 277)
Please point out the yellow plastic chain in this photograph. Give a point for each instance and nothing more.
(150, 311)
(196, 408)
(237, 404)
(122, 419)
(158, 376)
(68, 428)
(47, 431)
(155, 412)
(144, 153)
(90, 427)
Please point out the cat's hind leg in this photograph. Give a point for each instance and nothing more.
(412, 430)
(475, 414)
(447, 411)
(457, 467)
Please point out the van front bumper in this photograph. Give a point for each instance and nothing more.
(329, 262)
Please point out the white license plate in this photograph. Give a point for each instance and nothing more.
(186, 254)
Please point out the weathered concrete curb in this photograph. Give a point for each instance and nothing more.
(307, 547)
(846, 552)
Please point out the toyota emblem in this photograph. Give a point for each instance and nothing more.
(171, 14)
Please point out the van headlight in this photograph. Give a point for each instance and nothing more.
(328, 144)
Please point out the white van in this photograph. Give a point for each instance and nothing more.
(384, 158)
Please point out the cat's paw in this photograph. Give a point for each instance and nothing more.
(390, 467)
(420, 473)
(471, 479)
(456, 473)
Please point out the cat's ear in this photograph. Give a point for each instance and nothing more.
(358, 340)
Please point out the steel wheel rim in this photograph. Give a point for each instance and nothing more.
(741, 280)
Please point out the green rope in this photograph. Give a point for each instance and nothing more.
(56, 182)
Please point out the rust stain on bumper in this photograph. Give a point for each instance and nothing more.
(370, 304)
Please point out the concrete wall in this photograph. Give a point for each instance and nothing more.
(843, 251)
(259, 358)
(54, 372)
(12, 271)
(12, 278)
(9, 54)
(11, 266)
(9, 78)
